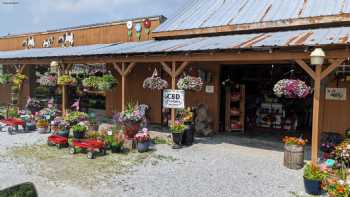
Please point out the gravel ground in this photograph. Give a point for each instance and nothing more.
(220, 166)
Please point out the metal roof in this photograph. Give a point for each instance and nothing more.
(214, 13)
(310, 37)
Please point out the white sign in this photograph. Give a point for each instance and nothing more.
(174, 99)
(209, 89)
(336, 94)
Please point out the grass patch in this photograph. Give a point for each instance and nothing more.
(161, 140)
(59, 166)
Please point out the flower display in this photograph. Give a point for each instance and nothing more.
(33, 105)
(155, 82)
(5, 79)
(66, 80)
(42, 123)
(291, 88)
(143, 136)
(46, 79)
(190, 83)
(341, 154)
(178, 127)
(79, 69)
(75, 117)
(59, 123)
(337, 187)
(294, 141)
(104, 83)
(132, 113)
(18, 78)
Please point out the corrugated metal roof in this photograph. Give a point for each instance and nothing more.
(213, 13)
(310, 37)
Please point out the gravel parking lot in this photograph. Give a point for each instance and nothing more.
(219, 166)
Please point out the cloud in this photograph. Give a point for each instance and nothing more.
(41, 15)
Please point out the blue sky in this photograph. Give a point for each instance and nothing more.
(21, 16)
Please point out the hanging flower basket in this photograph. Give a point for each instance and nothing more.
(104, 83)
(154, 82)
(5, 79)
(291, 88)
(190, 83)
(47, 80)
(66, 80)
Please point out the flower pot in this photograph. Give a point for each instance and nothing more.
(30, 126)
(177, 138)
(293, 156)
(131, 129)
(312, 187)
(63, 133)
(79, 135)
(143, 146)
(188, 135)
(43, 130)
(116, 148)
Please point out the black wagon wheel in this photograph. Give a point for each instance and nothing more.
(72, 150)
(91, 155)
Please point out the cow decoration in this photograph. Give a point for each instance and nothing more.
(49, 42)
(67, 40)
(28, 43)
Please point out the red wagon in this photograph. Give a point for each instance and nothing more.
(58, 141)
(91, 146)
(13, 124)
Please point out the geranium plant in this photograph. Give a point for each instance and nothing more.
(190, 83)
(155, 82)
(291, 88)
(143, 136)
(294, 141)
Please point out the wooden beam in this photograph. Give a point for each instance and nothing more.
(181, 68)
(166, 68)
(331, 68)
(117, 68)
(306, 68)
(129, 68)
(316, 115)
(22, 68)
(173, 86)
(123, 86)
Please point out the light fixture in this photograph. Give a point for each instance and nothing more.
(317, 56)
(54, 64)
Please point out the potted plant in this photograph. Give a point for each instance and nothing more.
(79, 130)
(291, 88)
(46, 79)
(177, 131)
(327, 148)
(131, 119)
(114, 140)
(42, 125)
(66, 80)
(107, 82)
(143, 141)
(294, 152)
(59, 126)
(74, 117)
(33, 105)
(155, 82)
(190, 83)
(313, 177)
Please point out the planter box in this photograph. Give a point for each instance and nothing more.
(294, 156)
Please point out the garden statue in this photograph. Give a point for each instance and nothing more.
(203, 122)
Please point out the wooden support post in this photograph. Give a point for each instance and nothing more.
(316, 115)
(124, 70)
(64, 100)
(173, 87)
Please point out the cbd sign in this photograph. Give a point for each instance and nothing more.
(174, 99)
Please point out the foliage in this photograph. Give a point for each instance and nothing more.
(190, 83)
(178, 127)
(114, 138)
(337, 188)
(42, 123)
(5, 79)
(66, 80)
(18, 78)
(143, 136)
(291, 88)
(12, 112)
(155, 82)
(312, 172)
(91, 82)
(294, 141)
(104, 83)
(79, 128)
(75, 116)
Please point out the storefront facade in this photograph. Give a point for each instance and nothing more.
(196, 40)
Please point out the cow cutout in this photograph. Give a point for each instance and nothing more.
(28, 43)
(49, 42)
(67, 40)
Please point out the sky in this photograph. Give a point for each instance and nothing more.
(23, 16)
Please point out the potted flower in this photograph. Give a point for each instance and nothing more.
(291, 88)
(336, 187)
(47, 79)
(33, 105)
(42, 125)
(313, 177)
(17, 79)
(341, 154)
(107, 82)
(294, 152)
(75, 116)
(131, 119)
(114, 140)
(66, 80)
(79, 130)
(190, 83)
(155, 82)
(59, 126)
(143, 141)
(177, 131)
(327, 148)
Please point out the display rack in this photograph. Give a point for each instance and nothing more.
(235, 108)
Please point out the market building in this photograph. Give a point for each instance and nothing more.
(240, 49)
